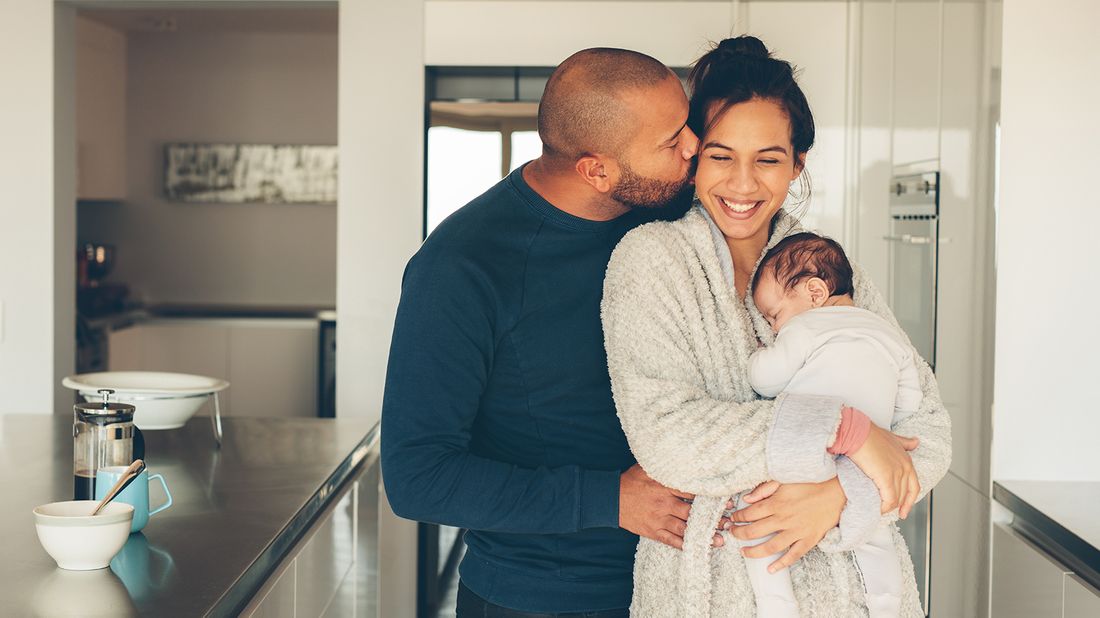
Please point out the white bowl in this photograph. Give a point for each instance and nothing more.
(78, 541)
(162, 400)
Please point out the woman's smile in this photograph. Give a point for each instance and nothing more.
(739, 209)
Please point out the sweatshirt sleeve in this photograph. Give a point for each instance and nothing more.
(682, 435)
(771, 368)
(440, 360)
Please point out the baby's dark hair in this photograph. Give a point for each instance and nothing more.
(804, 255)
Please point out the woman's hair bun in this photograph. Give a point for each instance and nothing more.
(744, 46)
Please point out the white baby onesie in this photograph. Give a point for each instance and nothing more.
(853, 354)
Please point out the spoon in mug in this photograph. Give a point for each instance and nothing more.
(127, 477)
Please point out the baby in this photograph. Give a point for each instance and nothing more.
(825, 345)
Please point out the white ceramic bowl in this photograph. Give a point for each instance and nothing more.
(163, 400)
(78, 541)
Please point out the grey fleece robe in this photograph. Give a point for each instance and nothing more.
(678, 342)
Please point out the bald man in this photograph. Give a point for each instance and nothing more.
(498, 415)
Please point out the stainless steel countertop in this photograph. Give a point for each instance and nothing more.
(237, 511)
(1062, 517)
(138, 314)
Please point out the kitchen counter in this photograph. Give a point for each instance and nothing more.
(237, 512)
(142, 313)
(1062, 517)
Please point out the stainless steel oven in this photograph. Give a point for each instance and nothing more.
(914, 259)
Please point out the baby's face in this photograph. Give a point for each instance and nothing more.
(779, 305)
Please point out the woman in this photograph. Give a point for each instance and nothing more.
(679, 328)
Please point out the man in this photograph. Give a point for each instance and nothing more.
(498, 415)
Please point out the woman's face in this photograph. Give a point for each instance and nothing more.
(746, 165)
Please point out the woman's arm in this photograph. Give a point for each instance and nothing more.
(682, 435)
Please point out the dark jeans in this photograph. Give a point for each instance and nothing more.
(472, 606)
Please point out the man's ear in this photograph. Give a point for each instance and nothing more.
(598, 171)
(818, 290)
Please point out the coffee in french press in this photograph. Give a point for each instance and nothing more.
(103, 435)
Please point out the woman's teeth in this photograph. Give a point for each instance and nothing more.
(738, 206)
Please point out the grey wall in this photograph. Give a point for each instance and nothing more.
(222, 87)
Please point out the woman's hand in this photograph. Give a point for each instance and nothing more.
(885, 459)
(799, 514)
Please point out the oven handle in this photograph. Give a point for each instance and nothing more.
(909, 239)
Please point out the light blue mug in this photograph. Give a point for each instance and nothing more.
(136, 494)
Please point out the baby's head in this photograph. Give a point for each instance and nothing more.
(802, 272)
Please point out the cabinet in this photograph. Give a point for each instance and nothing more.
(333, 569)
(1081, 599)
(916, 81)
(308, 579)
(1026, 582)
(271, 364)
(960, 550)
(100, 111)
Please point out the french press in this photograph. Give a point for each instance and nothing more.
(103, 435)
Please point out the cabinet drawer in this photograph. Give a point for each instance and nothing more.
(1082, 600)
(1026, 582)
(326, 557)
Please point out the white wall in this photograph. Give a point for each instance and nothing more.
(36, 212)
(381, 201)
(1045, 415)
(534, 33)
(229, 88)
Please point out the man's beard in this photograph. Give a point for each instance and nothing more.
(635, 191)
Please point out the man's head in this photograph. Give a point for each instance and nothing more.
(618, 119)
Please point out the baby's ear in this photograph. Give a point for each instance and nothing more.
(818, 290)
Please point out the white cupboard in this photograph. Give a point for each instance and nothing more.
(960, 550)
(916, 81)
(1081, 599)
(307, 581)
(1026, 582)
(271, 364)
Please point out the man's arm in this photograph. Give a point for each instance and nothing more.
(440, 359)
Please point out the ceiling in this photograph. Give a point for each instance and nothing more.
(269, 19)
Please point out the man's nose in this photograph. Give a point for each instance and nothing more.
(691, 143)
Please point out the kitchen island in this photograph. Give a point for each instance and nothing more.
(1046, 549)
(278, 492)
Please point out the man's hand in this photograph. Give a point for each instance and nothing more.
(798, 514)
(885, 459)
(654, 511)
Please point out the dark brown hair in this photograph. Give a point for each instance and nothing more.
(741, 69)
(804, 255)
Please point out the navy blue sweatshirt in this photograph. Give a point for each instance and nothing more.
(498, 415)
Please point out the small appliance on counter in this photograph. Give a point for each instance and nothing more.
(95, 297)
(103, 435)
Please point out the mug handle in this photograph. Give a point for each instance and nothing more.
(160, 477)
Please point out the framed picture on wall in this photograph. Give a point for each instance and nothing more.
(250, 173)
